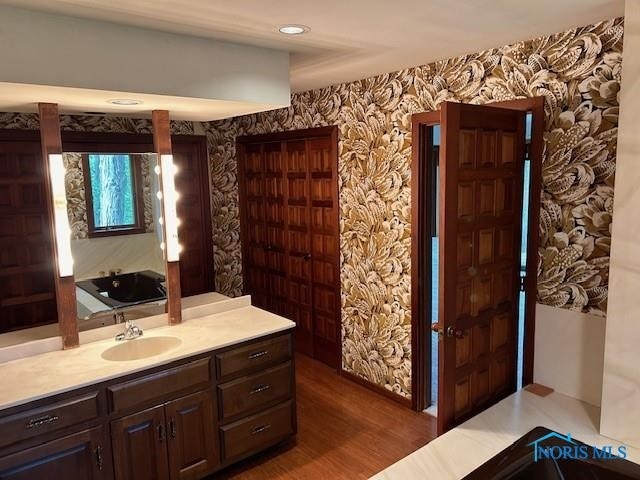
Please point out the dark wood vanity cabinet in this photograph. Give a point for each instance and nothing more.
(176, 440)
(139, 445)
(82, 456)
(181, 421)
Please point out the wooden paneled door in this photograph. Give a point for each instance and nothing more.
(290, 233)
(300, 307)
(139, 446)
(194, 232)
(80, 456)
(325, 249)
(27, 287)
(192, 436)
(481, 168)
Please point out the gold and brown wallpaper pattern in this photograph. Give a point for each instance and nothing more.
(578, 74)
(74, 179)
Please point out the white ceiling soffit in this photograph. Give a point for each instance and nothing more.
(81, 64)
(350, 39)
(17, 97)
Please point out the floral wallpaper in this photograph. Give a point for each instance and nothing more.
(76, 199)
(578, 74)
(91, 123)
(74, 178)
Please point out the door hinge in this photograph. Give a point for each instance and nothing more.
(523, 281)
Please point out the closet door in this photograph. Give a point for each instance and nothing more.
(289, 201)
(324, 254)
(299, 308)
(275, 226)
(254, 239)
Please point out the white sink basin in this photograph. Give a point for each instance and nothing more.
(138, 348)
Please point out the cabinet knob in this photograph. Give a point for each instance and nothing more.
(307, 256)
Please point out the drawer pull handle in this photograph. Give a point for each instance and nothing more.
(172, 428)
(37, 422)
(257, 354)
(260, 429)
(99, 461)
(259, 389)
(161, 433)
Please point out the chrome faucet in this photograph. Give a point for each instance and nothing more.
(131, 331)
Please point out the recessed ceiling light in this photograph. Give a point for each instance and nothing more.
(292, 29)
(125, 101)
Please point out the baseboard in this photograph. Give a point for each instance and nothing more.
(376, 388)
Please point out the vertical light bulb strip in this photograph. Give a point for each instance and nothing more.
(60, 215)
(169, 198)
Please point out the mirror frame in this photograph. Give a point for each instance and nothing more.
(53, 141)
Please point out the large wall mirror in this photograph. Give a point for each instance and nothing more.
(113, 210)
(116, 235)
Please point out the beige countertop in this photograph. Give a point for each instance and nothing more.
(46, 374)
(463, 449)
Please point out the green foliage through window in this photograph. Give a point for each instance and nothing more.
(112, 190)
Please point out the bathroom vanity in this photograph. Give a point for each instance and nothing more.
(180, 402)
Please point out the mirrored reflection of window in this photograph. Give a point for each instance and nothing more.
(113, 193)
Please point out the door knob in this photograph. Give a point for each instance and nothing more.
(307, 256)
(450, 331)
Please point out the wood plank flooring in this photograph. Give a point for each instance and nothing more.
(345, 431)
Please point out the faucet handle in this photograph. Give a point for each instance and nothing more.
(136, 331)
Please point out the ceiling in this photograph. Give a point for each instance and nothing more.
(349, 39)
(17, 97)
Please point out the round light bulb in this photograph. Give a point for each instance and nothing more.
(293, 29)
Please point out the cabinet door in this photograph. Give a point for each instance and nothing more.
(193, 449)
(81, 456)
(139, 446)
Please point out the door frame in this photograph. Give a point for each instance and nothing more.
(282, 136)
(420, 280)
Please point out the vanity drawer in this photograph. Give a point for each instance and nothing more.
(30, 423)
(255, 356)
(248, 393)
(258, 431)
(161, 385)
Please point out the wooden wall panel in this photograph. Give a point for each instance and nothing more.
(51, 143)
(27, 276)
(162, 145)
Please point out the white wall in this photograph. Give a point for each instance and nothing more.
(569, 352)
(620, 417)
(130, 253)
(45, 49)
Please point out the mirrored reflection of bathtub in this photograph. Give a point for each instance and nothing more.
(107, 317)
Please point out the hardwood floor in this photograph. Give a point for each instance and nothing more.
(345, 431)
